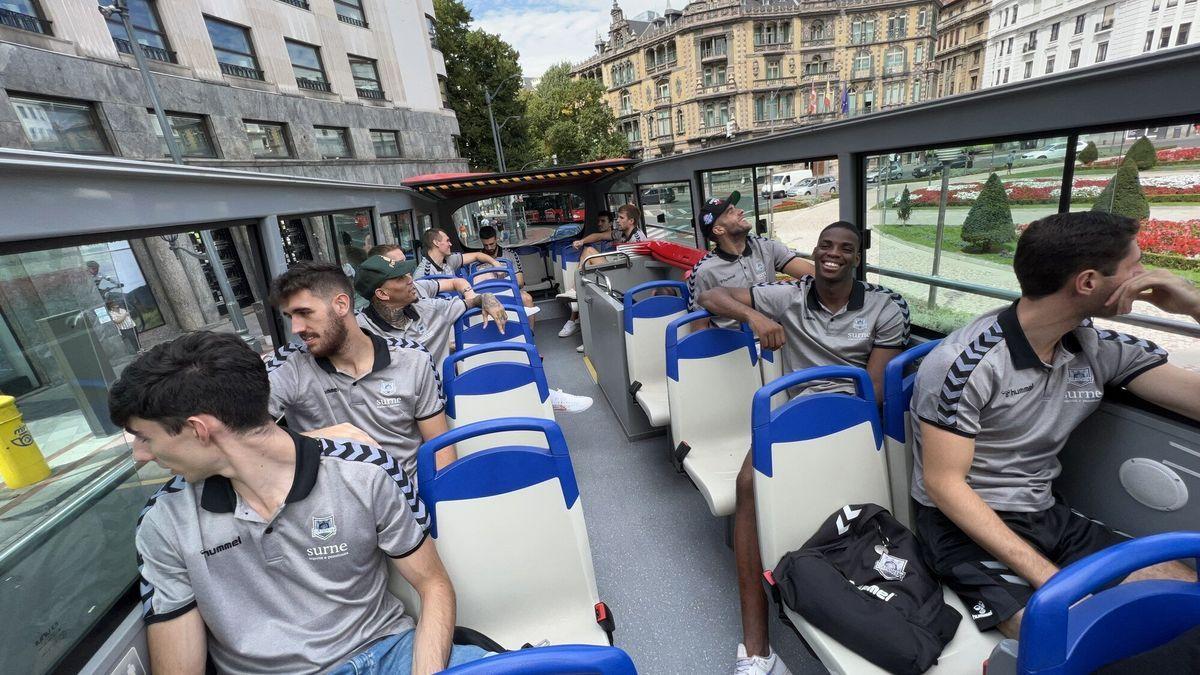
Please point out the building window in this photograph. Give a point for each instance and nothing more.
(333, 142)
(772, 33)
(1172, 3)
(351, 12)
(919, 53)
(190, 132)
(713, 47)
(862, 65)
(1182, 36)
(1101, 52)
(893, 61)
(1016, 8)
(715, 113)
(1107, 18)
(774, 107)
(660, 56)
(146, 24)
(1049, 64)
(1164, 38)
(622, 74)
(1054, 31)
(1149, 41)
(774, 69)
(632, 131)
(916, 91)
(897, 27)
(922, 19)
(626, 103)
(893, 93)
(268, 140)
(306, 62)
(679, 121)
(386, 143)
(431, 29)
(444, 90)
(662, 123)
(235, 53)
(975, 56)
(60, 126)
(819, 31)
(1031, 43)
(1006, 76)
(862, 31)
(662, 92)
(714, 75)
(366, 77)
(1079, 21)
(1028, 70)
(24, 15)
(1074, 58)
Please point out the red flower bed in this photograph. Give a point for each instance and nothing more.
(1168, 156)
(1170, 237)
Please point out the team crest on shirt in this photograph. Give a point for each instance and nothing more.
(1080, 377)
(387, 388)
(759, 267)
(860, 323)
(323, 527)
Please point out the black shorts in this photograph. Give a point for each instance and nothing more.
(990, 590)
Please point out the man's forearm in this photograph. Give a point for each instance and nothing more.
(435, 630)
(974, 517)
(720, 301)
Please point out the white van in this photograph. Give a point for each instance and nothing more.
(780, 182)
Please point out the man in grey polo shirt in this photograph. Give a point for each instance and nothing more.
(339, 373)
(999, 397)
(825, 319)
(738, 259)
(439, 257)
(266, 550)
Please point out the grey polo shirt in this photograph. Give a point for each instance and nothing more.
(427, 267)
(873, 317)
(296, 593)
(426, 288)
(985, 382)
(402, 388)
(511, 256)
(429, 322)
(757, 264)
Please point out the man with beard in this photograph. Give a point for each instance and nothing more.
(339, 373)
(998, 398)
(821, 320)
(492, 248)
(439, 256)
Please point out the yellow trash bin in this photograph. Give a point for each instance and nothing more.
(21, 461)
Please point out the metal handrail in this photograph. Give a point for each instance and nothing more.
(583, 264)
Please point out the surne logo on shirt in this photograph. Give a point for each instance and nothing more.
(1082, 386)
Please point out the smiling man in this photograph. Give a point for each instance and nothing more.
(822, 320)
(439, 256)
(340, 373)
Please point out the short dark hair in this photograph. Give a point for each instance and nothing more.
(606, 214)
(428, 236)
(842, 225)
(1054, 249)
(321, 278)
(487, 232)
(383, 249)
(199, 373)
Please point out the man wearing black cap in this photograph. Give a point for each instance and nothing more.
(739, 259)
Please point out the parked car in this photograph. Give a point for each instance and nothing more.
(783, 183)
(888, 173)
(658, 196)
(927, 169)
(820, 185)
(1053, 151)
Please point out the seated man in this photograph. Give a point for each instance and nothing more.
(426, 288)
(340, 373)
(601, 232)
(266, 551)
(739, 259)
(999, 397)
(439, 257)
(491, 247)
(821, 320)
(396, 310)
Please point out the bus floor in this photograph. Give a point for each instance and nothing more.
(660, 556)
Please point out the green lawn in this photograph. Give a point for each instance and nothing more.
(1081, 171)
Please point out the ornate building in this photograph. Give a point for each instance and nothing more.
(719, 70)
(962, 35)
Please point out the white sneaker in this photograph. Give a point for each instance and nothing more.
(759, 665)
(579, 349)
(564, 402)
(566, 295)
(531, 311)
(569, 328)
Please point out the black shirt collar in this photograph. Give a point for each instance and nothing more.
(727, 257)
(858, 296)
(218, 495)
(439, 267)
(383, 357)
(1019, 349)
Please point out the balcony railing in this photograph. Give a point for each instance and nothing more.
(778, 121)
(897, 34)
(1104, 25)
(352, 21)
(165, 55)
(819, 40)
(302, 4)
(662, 100)
(898, 71)
(865, 74)
(241, 71)
(773, 46)
(654, 67)
(708, 54)
(862, 39)
(24, 22)
(373, 94)
(824, 70)
(1028, 47)
(313, 85)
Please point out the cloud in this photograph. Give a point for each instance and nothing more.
(547, 32)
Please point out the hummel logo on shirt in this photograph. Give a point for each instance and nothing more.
(221, 547)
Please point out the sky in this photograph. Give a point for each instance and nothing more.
(547, 32)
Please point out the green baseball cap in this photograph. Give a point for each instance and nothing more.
(377, 269)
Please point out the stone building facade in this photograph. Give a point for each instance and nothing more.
(731, 69)
(962, 34)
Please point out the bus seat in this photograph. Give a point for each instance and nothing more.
(771, 365)
(501, 288)
(561, 660)
(897, 392)
(493, 390)
(1064, 633)
(568, 260)
(812, 456)
(504, 272)
(510, 529)
(710, 431)
(645, 344)
(469, 331)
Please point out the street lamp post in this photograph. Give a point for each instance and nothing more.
(121, 8)
(488, 97)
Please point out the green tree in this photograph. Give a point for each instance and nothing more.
(476, 59)
(1142, 151)
(569, 118)
(1089, 154)
(989, 223)
(904, 206)
(1123, 195)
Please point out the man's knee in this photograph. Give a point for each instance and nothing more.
(1011, 627)
(1172, 570)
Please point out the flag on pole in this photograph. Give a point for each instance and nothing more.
(812, 98)
(828, 102)
(845, 97)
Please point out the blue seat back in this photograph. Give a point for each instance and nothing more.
(527, 351)
(705, 343)
(466, 334)
(501, 288)
(505, 271)
(572, 659)
(898, 387)
(653, 306)
(1064, 633)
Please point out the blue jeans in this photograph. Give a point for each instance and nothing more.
(394, 654)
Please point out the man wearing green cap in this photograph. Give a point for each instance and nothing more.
(739, 259)
(396, 309)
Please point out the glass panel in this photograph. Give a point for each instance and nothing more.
(59, 127)
(306, 238)
(351, 9)
(667, 212)
(365, 74)
(721, 183)
(976, 249)
(306, 61)
(191, 135)
(354, 237)
(386, 143)
(267, 141)
(231, 43)
(332, 143)
(145, 24)
(72, 319)
(796, 200)
(398, 228)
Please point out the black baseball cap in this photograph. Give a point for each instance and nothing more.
(377, 269)
(712, 209)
